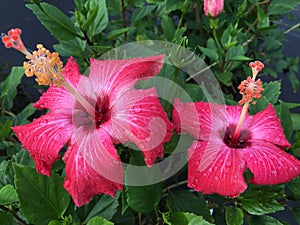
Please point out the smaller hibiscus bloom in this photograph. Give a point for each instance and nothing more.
(228, 141)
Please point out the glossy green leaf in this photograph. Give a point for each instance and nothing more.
(48, 200)
(259, 202)
(281, 7)
(100, 20)
(5, 129)
(99, 221)
(104, 206)
(21, 117)
(6, 218)
(167, 25)
(295, 121)
(264, 220)
(210, 53)
(181, 218)
(240, 58)
(142, 12)
(272, 91)
(8, 194)
(117, 32)
(285, 119)
(186, 201)
(74, 47)
(59, 25)
(234, 216)
(142, 199)
(8, 88)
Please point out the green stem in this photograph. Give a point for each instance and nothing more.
(216, 38)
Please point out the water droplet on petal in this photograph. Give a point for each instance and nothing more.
(35, 138)
(217, 178)
(205, 174)
(274, 173)
(255, 162)
(137, 109)
(210, 170)
(251, 156)
(228, 163)
(154, 107)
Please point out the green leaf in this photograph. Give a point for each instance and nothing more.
(264, 220)
(167, 25)
(117, 32)
(172, 5)
(186, 201)
(263, 20)
(240, 58)
(49, 199)
(5, 129)
(294, 186)
(294, 81)
(281, 7)
(210, 53)
(100, 20)
(142, 199)
(272, 91)
(141, 12)
(59, 25)
(285, 119)
(181, 218)
(259, 202)
(99, 221)
(8, 194)
(74, 47)
(8, 88)
(21, 117)
(295, 121)
(6, 218)
(105, 207)
(234, 216)
(225, 78)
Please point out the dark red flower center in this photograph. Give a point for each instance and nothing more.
(102, 113)
(241, 142)
(102, 110)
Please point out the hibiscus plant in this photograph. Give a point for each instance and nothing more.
(152, 112)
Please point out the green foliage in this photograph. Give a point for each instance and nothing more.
(234, 216)
(246, 30)
(50, 199)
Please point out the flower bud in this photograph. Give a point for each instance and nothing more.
(213, 7)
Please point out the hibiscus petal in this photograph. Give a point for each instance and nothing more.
(223, 173)
(56, 99)
(99, 152)
(269, 164)
(113, 75)
(266, 126)
(72, 72)
(82, 182)
(43, 138)
(137, 116)
(199, 118)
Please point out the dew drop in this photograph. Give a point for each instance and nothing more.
(255, 162)
(153, 107)
(35, 138)
(137, 109)
(235, 176)
(251, 156)
(217, 178)
(205, 174)
(210, 170)
(228, 164)
(274, 173)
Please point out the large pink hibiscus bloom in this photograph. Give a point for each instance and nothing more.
(119, 114)
(216, 165)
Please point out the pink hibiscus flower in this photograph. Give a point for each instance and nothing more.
(117, 114)
(216, 164)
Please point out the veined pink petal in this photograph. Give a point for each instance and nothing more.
(72, 72)
(200, 119)
(111, 76)
(58, 100)
(82, 182)
(138, 117)
(43, 138)
(269, 164)
(224, 175)
(266, 126)
(99, 152)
